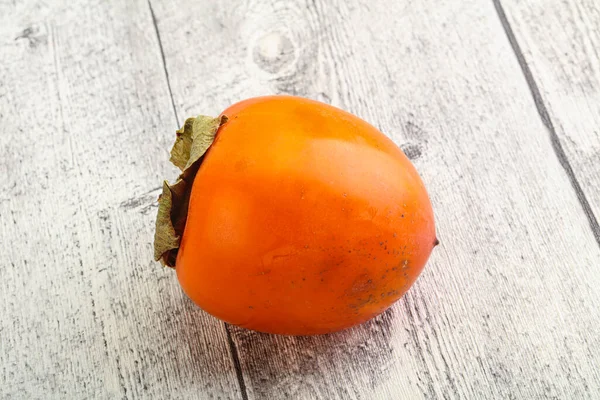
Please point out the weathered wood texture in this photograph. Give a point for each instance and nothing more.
(86, 121)
(506, 308)
(559, 43)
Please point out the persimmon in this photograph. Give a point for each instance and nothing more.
(293, 217)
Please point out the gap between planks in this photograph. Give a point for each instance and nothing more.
(232, 348)
(547, 121)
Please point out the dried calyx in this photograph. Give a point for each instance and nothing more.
(193, 140)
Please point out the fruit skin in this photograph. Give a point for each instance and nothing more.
(303, 219)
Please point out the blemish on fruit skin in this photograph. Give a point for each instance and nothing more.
(241, 165)
(362, 302)
(389, 293)
(264, 272)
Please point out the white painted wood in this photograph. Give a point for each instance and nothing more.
(85, 124)
(507, 307)
(560, 42)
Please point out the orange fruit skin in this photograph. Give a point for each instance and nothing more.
(303, 219)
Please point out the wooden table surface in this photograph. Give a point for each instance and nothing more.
(496, 102)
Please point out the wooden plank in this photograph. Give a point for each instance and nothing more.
(507, 307)
(558, 42)
(85, 124)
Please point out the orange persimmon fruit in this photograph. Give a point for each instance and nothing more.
(294, 217)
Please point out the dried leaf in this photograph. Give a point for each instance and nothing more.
(180, 153)
(193, 140)
(165, 238)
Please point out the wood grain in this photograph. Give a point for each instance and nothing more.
(85, 125)
(507, 306)
(565, 79)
